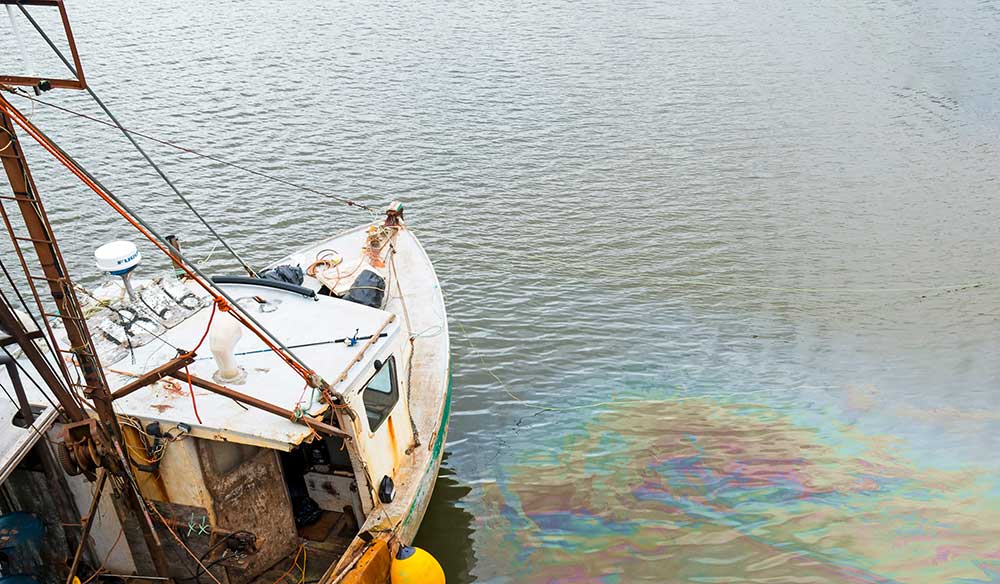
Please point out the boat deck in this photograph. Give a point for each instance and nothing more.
(294, 319)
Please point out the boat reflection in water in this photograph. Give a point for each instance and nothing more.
(446, 531)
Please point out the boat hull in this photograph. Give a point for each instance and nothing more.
(414, 517)
(415, 296)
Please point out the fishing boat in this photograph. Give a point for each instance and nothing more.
(283, 424)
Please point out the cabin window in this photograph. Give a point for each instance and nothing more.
(380, 394)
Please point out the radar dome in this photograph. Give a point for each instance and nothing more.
(118, 257)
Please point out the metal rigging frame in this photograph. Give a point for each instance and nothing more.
(88, 445)
(74, 83)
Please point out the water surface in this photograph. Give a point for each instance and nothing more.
(720, 275)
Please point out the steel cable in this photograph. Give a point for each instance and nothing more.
(185, 149)
(128, 135)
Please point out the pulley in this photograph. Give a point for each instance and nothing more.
(81, 451)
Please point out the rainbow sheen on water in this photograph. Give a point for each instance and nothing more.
(695, 490)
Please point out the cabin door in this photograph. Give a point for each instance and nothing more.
(248, 493)
(386, 420)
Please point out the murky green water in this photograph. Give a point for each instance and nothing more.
(721, 275)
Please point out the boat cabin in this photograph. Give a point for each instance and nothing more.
(266, 483)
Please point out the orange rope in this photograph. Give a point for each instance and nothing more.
(194, 404)
(207, 329)
(25, 125)
(302, 396)
(295, 564)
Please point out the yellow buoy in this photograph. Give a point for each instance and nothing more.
(413, 565)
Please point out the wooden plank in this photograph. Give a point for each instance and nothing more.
(360, 355)
(155, 375)
(371, 568)
(313, 423)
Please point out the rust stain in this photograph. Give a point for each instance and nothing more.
(392, 446)
(161, 407)
(173, 388)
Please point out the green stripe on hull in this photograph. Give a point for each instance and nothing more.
(430, 476)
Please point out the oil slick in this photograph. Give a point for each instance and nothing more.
(697, 490)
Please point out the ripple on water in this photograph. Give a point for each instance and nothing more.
(639, 195)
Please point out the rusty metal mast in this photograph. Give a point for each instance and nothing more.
(88, 444)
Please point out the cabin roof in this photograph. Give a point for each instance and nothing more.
(295, 320)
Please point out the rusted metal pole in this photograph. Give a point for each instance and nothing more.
(15, 380)
(54, 471)
(56, 276)
(72, 45)
(102, 478)
(155, 375)
(79, 82)
(13, 327)
(249, 400)
(54, 272)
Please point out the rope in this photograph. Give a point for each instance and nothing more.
(104, 562)
(194, 403)
(342, 200)
(298, 411)
(187, 372)
(409, 331)
(295, 564)
(888, 290)
(139, 148)
(181, 543)
(208, 328)
(515, 397)
(399, 289)
(318, 269)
